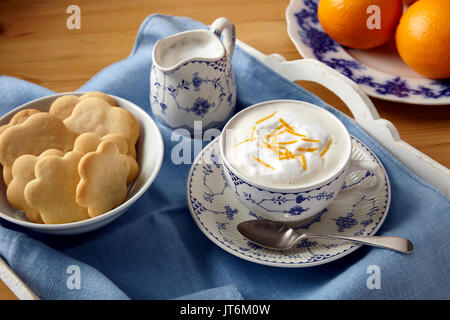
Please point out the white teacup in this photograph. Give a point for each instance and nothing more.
(294, 185)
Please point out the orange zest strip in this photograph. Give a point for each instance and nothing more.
(264, 119)
(327, 147)
(288, 155)
(264, 144)
(275, 137)
(287, 142)
(252, 137)
(302, 157)
(285, 124)
(268, 136)
(307, 149)
(263, 163)
(252, 134)
(275, 149)
(246, 140)
(310, 140)
(294, 133)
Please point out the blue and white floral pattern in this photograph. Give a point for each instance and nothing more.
(196, 91)
(217, 212)
(312, 42)
(264, 203)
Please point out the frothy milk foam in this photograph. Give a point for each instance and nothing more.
(188, 48)
(286, 145)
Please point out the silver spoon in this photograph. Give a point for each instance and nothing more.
(278, 236)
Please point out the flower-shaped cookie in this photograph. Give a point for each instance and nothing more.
(103, 184)
(63, 106)
(93, 114)
(22, 173)
(89, 142)
(41, 131)
(19, 118)
(52, 192)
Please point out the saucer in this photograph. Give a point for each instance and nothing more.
(217, 213)
(379, 71)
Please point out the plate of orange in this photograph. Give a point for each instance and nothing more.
(397, 50)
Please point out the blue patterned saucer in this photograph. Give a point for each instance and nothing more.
(380, 71)
(217, 212)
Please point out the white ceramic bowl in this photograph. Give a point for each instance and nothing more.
(150, 151)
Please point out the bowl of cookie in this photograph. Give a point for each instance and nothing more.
(74, 162)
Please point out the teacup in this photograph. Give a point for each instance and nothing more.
(293, 178)
(192, 80)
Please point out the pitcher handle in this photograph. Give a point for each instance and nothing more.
(229, 36)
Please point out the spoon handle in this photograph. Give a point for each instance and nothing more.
(394, 243)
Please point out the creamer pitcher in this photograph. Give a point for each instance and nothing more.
(192, 78)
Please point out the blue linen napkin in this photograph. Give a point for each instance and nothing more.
(155, 250)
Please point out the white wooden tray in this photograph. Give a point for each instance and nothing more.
(14, 283)
(363, 110)
(364, 113)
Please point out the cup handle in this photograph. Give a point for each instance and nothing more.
(225, 26)
(359, 190)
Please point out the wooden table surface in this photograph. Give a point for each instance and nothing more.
(35, 45)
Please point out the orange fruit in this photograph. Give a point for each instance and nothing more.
(349, 22)
(423, 38)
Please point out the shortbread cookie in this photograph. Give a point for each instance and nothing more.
(93, 114)
(19, 118)
(63, 106)
(103, 184)
(100, 95)
(52, 193)
(22, 173)
(39, 132)
(89, 142)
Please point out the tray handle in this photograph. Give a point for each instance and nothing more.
(366, 116)
(362, 109)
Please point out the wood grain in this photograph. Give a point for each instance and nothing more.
(36, 46)
(5, 293)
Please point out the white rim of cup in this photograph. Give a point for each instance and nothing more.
(292, 189)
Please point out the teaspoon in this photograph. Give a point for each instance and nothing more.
(278, 236)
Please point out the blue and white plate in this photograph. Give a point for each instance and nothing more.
(379, 71)
(217, 213)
